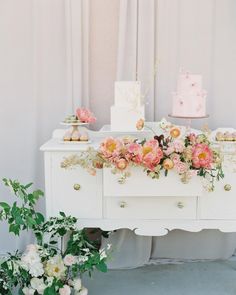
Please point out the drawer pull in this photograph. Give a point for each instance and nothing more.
(77, 187)
(227, 187)
(180, 205)
(123, 204)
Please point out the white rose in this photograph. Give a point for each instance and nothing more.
(38, 285)
(77, 284)
(36, 269)
(83, 291)
(65, 290)
(69, 260)
(32, 248)
(28, 291)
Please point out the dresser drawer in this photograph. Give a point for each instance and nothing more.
(139, 184)
(74, 191)
(151, 208)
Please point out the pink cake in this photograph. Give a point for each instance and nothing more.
(190, 98)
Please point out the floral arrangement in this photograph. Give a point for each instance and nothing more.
(82, 115)
(188, 155)
(56, 262)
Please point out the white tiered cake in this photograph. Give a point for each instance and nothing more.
(128, 108)
(190, 98)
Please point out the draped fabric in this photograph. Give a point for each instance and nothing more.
(196, 35)
(43, 76)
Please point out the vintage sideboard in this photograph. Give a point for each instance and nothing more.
(147, 206)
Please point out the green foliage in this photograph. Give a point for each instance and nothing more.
(21, 215)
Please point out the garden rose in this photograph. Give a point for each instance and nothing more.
(202, 156)
(69, 260)
(85, 115)
(28, 291)
(77, 284)
(168, 164)
(65, 290)
(38, 285)
(55, 267)
(181, 167)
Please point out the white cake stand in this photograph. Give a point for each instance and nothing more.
(188, 120)
(75, 128)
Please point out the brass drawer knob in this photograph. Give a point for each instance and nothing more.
(180, 205)
(123, 204)
(77, 187)
(227, 187)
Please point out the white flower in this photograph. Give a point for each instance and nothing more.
(28, 291)
(55, 267)
(69, 260)
(36, 269)
(32, 248)
(31, 262)
(65, 290)
(77, 284)
(38, 285)
(164, 123)
(82, 259)
(109, 246)
(83, 291)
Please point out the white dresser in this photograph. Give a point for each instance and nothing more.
(147, 206)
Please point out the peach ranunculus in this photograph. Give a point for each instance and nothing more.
(111, 147)
(121, 164)
(140, 124)
(202, 156)
(175, 132)
(151, 154)
(168, 164)
(85, 115)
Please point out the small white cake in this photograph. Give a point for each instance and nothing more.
(128, 108)
(190, 98)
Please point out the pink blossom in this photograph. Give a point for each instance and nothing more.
(181, 167)
(175, 158)
(169, 150)
(202, 156)
(134, 148)
(178, 146)
(85, 115)
(192, 137)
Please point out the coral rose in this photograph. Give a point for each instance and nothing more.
(202, 156)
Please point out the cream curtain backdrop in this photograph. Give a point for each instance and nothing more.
(43, 51)
(200, 36)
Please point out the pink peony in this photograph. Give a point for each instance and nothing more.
(151, 154)
(85, 115)
(111, 147)
(202, 156)
(178, 146)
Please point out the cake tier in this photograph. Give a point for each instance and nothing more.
(189, 105)
(128, 94)
(125, 119)
(189, 83)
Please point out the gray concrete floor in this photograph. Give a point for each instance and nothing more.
(196, 278)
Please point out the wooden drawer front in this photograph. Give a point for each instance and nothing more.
(139, 184)
(75, 191)
(151, 208)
